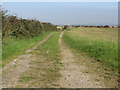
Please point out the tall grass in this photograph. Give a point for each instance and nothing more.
(101, 50)
(13, 47)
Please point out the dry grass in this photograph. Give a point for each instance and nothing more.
(109, 34)
(99, 43)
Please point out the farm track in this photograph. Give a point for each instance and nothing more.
(13, 70)
(73, 75)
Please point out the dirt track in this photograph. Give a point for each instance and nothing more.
(72, 73)
(13, 70)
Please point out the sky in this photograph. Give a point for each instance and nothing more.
(60, 0)
(60, 13)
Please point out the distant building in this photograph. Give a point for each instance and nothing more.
(58, 27)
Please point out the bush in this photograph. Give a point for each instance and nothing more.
(19, 28)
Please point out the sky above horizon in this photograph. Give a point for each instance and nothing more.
(59, 13)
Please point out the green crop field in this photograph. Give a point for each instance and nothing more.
(99, 43)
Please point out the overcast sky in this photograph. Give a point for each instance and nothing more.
(83, 13)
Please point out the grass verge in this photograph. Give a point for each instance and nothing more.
(101, 50)
(13, 47)
(46, 65)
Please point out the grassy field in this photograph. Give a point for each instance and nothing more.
(99, 43)
(13, 47)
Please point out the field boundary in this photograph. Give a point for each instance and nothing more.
(29, 50)
(12, 70)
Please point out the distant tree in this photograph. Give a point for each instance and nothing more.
(106, 26)
(65, 27)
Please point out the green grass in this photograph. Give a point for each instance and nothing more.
(100, 48)
(50, 50)
(13, 47)
(45, 66)
(26, 78)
